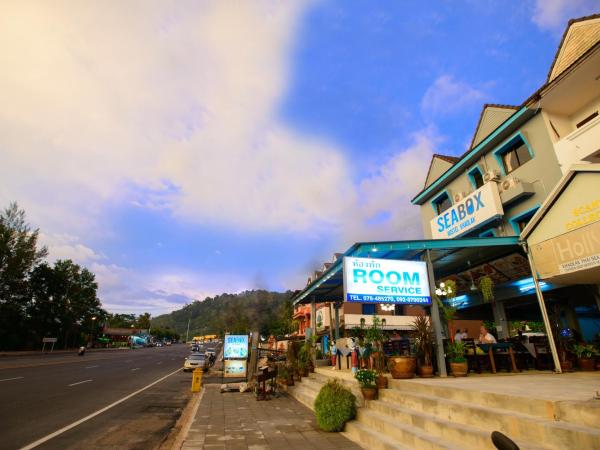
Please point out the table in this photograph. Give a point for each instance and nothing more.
(490, 349)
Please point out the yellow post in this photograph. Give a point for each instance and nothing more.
(197, 380)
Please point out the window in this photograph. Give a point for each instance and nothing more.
(515, 156)
(476, 177)
(369, 309)
(520, 221)
(442, 203)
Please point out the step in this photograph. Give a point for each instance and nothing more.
(467, 436)
(553, 434)
(303, 395)
(403, 433)
(370, 439)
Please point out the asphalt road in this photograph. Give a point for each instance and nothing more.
(40, 395)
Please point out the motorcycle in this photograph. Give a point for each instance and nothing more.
(81, 351)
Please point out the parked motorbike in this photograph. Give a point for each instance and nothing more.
(81, 351)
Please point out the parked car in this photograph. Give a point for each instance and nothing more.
(194, 361)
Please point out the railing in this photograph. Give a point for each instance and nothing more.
(583, 144)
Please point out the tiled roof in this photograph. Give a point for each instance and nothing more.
(447, 158)
(492, 115)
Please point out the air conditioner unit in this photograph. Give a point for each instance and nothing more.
(459, 196)
(491, 175)
(509, 183)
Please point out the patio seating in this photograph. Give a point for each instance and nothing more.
(475, 359)
(543, 357)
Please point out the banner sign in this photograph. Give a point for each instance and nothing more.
(235, 346)
(234, 368)
(475, 210)
(369, 280)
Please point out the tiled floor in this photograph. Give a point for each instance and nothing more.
(236, 421)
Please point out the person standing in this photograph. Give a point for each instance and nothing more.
(458, 337)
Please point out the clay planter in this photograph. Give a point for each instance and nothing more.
(426, 371)
(381, 381)
(369, 393)
(459, 369)
(290, 381)
(587, 364)
(403, 367)
(566, 366)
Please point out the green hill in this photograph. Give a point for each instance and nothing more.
(268, 312)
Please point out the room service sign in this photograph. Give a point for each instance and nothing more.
(369, 280)
(475, 210)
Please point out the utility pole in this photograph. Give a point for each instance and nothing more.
(187, 333)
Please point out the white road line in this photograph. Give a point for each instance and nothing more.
(94, 414)
(80, 382)
(91, 367)
(15, 378)
(137, 368)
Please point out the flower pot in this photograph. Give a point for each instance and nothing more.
(426, 371)
(459, 369)
(587, 364)
(403, 367)
(290, 381)
(369, 393)
(566, 366)
(381, 381)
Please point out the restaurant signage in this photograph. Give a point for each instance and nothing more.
(235, 346)
(370, 280)
(475, 210)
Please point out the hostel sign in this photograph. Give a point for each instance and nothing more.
(475, 210)
(369, 280)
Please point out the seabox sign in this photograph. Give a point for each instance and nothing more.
(370, 280)
(475, 210)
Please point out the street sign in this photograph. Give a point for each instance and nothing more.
(49, 340)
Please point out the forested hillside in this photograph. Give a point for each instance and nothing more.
(268, 312)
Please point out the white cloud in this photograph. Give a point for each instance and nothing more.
(553, 15)
(65, 246)
(448, 96)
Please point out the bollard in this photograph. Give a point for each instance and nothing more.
(196, 380)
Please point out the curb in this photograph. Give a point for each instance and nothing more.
(185, 421)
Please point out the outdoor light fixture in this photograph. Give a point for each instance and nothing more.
(388, 307)
(443, 290)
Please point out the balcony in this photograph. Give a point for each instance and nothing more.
(582, 145)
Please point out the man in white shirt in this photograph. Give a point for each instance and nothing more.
(458, 337)
(485, 337)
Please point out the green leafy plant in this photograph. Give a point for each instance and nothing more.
(423, 338)
(486, 286)
(456, 352)
(334, 406)
(375, 336)
(450, 289)
(584, 350)
(366, 378)
(283, 372)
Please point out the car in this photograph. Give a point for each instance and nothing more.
(195, 361)
(158, 344)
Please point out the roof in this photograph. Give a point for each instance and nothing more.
(436, 156)
(555, 194)
(580, 35)
(448, 256)
(492, 115)
(447, 158)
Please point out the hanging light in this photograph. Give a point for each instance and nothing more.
(388, 307)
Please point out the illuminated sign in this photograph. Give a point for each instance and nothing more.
(475, 210)
(235, 346)
(234, 368)
(369, 280)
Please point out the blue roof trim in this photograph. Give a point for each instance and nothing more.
(419, 198)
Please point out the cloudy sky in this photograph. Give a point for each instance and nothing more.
(181, 149)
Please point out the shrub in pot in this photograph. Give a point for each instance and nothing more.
(334, 406)
(375, 337)
(402, 366)
(458, 362)
(585, 356)
(366, 379)
(424, 344)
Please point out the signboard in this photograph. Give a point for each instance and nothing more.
(234, 368)
(235, 346)
(475, 210)
(369, 280)
(49, 340)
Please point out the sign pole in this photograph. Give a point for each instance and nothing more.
(435, 318)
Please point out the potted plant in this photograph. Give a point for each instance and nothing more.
(458, 362)
(424, 344)
(366, 379)
(375, 337)
(585, 356)
(285, 375)
(402, 366)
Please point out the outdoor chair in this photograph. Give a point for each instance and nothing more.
(475, 361)
(543, 360)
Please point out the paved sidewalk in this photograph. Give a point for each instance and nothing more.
(236, 421)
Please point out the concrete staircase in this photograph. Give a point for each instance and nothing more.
(413, 415)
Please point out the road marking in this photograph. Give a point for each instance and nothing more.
(137, 368)
(91, 367)
(80, 382)
(15, 378)
(94, 414)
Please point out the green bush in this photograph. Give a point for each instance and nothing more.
(334, 406)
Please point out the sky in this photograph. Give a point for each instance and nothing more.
(185, 149)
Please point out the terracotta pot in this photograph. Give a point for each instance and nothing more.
(459, 369)
(587, 364)
(566, 366)
(381, 381)
(403, 367)
(426, 371)
(369, 393)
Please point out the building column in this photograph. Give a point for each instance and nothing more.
(337, 306)
(500, 319)
(435, 319)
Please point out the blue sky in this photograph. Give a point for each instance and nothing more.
(188, 149)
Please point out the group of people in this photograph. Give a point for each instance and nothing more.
(485, 337)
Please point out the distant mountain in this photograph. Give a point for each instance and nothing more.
(268, 312)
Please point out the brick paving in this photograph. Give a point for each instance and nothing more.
(236, 421)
